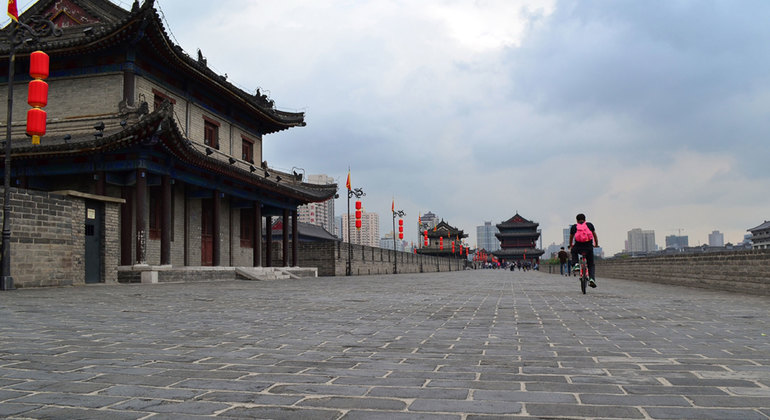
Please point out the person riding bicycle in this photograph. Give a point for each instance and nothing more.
(582, 240)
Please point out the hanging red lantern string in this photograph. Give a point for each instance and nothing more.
(37, 95)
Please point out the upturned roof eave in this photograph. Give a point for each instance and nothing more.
(139, 21)
(179, 146)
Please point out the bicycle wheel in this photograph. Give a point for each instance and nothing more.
(583, 281)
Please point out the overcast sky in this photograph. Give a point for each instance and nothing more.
(648, 114)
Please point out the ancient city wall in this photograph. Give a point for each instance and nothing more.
(739, 271)
(331, 259)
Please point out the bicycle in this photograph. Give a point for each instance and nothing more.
(583, 269)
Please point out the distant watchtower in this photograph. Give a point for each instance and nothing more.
(518, 238)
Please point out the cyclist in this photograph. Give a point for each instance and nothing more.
(583, 239)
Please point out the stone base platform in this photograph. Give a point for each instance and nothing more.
(142, 273)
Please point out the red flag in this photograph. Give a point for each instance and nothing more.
(347, 184)
(13, 12)
(393, 206)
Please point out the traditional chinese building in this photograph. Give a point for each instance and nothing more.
(518, 240)
(440, 239)
(137, 124)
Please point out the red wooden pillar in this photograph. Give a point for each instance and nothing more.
(165, 221)
(257, 234)
(268, 241)
(285, 234)
(217, 257)
(294, 239)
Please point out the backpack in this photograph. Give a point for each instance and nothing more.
(583, 233)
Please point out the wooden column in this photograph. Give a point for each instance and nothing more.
(285, 235)
(217, 257)
(257, 234)
(268, 241)
(125, 226)
(165, 221)
(294, 239)
(139, 211)
(186, 225)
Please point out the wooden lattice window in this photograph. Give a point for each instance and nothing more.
(210, 132)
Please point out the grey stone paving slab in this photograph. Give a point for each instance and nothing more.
(458, 406)
(702, 413)
(80, 413)
(465, 345)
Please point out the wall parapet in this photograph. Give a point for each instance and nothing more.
(736, 271)
(331, 259)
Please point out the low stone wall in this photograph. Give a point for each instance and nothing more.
(738, 271)
(331, 259)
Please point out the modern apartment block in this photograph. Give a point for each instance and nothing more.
(641, 241)
(322, 213)
(368, 235)
(677, 241)
(485, 237)
(716, 238)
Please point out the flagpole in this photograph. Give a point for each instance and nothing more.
(358, 192)
(6, 281)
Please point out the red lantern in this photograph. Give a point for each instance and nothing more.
(453, 247)
(441, 243)
(426, 242)
(36, 124)
(38, 65)
(37, 93)
(359, 214)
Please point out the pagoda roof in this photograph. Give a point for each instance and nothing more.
(763, 226)
(516, 222)
(158, 131)
(443, 229)
(90, 26)
(517, 234)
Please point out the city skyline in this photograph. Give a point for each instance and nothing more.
(477, 110)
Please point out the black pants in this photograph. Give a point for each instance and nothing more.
(586, 248)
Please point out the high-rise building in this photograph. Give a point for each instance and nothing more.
(485, 237)
(641, 241)
(565, 233)
(428, 220)
(368, 235)
(716, 238)
(677, 241)
(387, 242)
(319, 214)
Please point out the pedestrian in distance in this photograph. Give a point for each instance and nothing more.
(563, 261)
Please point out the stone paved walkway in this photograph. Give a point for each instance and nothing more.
(463, 345)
